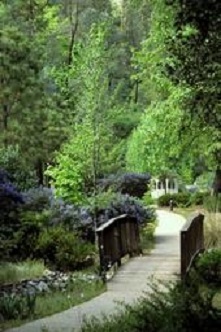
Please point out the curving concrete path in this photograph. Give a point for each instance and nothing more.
(128, 284)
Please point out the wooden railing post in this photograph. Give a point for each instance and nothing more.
(191, 242)
(117, 237)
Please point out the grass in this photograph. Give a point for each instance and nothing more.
(212, 224)
(212, 230)
(51, 303)
(15, 272)
(147, 238)
(186, 212)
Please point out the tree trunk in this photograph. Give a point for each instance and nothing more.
(217, 182)
(5, 123)
(136, 92)
(40, 172)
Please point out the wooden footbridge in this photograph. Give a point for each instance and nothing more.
(177, 243)
(120, 237)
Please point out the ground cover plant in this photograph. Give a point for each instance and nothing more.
(184, 306)
(173, 308)
(15, 272)
(16, 309)
(212, 229)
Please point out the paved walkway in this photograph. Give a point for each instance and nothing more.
(128, 284)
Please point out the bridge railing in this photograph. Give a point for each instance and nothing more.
(117, 238)
(192, 242)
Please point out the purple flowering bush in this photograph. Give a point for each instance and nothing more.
(10, 201)
(132, 184)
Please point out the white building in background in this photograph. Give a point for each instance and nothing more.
(160, 188)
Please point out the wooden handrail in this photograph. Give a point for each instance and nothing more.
(192, 242)
(116, 238)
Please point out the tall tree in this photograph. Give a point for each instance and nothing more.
(167, 142)
(85, 156)
(195, 47)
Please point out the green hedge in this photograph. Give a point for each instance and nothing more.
(184, 199)
(179, 199)
(199, 198)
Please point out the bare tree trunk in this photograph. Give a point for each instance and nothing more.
(74, 27)
(136, 93)
(217, 182)
(40, 172)
(5, 123)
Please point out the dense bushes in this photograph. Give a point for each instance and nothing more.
(38, 225)
(208, 266)
(184, 199)
(21, 174)
(133, 184)
(31, 222)
(198, 198)
(10, 201)
(125, 204)
(213, 203)
(173, 308)
(187, 306)
(14, 306)
(63, 249)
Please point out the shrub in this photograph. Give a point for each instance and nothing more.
(21, 174)
(133, 184)
(179, 199)
(212, 203)
(10, 202)
(208, 266)
(198, 198)
(205, 180)
(212, 229)
(14, 272)
(172, 308)
(147, 237)
(147, 199)
(38, 199)
(124, 204)
(26, 237)
(54, 211)
(16, 306)
(62, 249)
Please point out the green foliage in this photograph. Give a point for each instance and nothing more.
(147, 238)
(26, 238)
(198, 198)
(179, 199)
(17, 306)
(15, 272)
(212, 230)
(208, 266)
(21, 173)
(64, 250)
(84, 157)
(103, 199)
(167, 308)
(163, 140)
(212, 203)
(147, 199)
(78, 291)
(133, 184)
(205, 180)
(198, 67)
